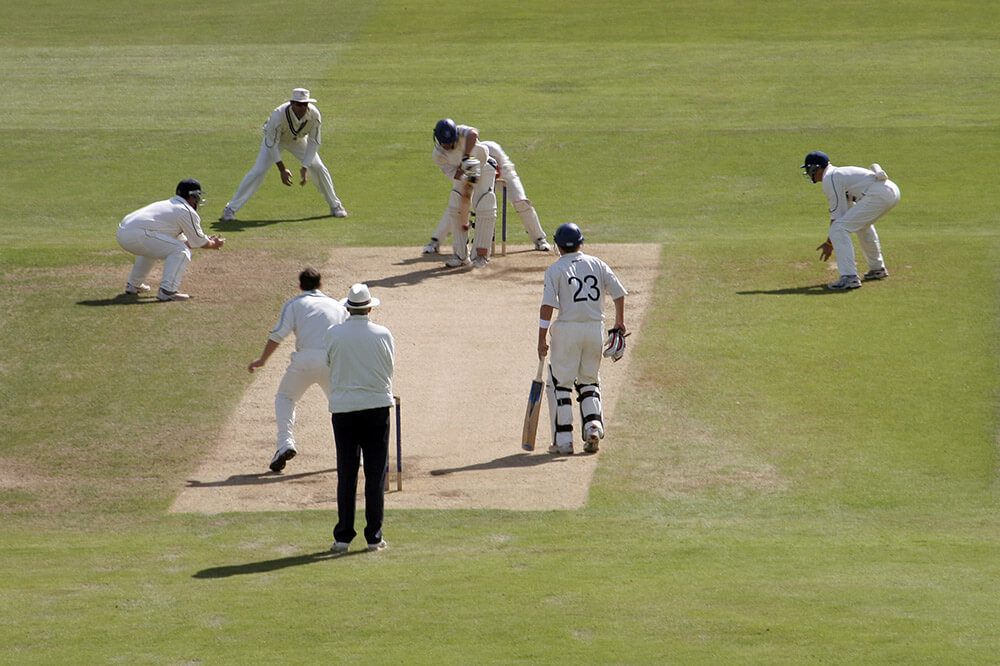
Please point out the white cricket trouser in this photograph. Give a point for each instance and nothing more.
(318, 174)
(515, 191)
(575, 351)
(307, 367)
(860, 218)
(150, 246)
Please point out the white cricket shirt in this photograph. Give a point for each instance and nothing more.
(576, 285)
(308, 315)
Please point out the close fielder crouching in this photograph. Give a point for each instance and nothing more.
(576, 285)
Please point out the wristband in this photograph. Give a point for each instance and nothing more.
(543, 323)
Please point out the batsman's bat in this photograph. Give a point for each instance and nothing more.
(534, 407)
(465, 204)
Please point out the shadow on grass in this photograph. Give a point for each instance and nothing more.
(242, 225)
(810, 290)
(257, 479)
(122, 299)
(511, 461)
(273, 565)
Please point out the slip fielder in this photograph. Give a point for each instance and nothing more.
(858, 197)
(293, 127)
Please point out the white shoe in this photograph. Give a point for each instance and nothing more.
(133, 291)
(165, 296)
(281, 456)
(454, 261)
(560, 450)
(542, 245)
(877, 274)
(845, 282)
(228, 215)
(339, 547)
(338, 211)
(480, 261)
(432, 247)
(381, 545)
(592, 435)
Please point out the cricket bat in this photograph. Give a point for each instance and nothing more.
(465, 205)
(534, 407)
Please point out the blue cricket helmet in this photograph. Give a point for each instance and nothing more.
(445, 131)
(568, 235)
(815, 159)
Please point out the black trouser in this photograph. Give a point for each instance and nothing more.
(361, 435)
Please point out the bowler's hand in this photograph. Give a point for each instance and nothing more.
(825, 251)
(259, 363)
(305, 176)
(286, 177)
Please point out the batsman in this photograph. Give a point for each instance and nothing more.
(467, 163)
(576, 285)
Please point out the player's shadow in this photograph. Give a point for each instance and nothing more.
(230, 226)
(808, 290)
(121, 299)
(266, 566)
(256, 479)
(512, 461)
(432, 267)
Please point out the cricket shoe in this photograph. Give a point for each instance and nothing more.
(542, 245)
(592, 435)
(132, 290)
(340, 547)
(557, 450)
(338, 211)
(381, 545)
(228, 215)
(480, 261)
(845, 282)
(165, 296)
(281, 456)
(432, 247)
(455, 261)
(877, 274)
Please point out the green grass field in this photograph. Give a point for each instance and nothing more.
(795, 476)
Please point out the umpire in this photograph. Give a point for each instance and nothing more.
(361, 357)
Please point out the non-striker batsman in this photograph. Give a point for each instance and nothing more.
(576, 285)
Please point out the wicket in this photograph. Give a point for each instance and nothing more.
(503, 223)
(399, 452)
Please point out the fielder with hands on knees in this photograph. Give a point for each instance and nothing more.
(576, 285)
(858, 197)
(308, 316)
(466, 161)
(294, 127)
(361, 357)
(165, 230)
(505, 170)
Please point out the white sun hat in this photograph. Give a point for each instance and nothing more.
(302, 95)
(360, 297)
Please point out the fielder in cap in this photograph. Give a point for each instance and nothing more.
(293, 127)
(165, 230)
(858, 197)
(576, 285)
(308, 316)
(506, 171)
